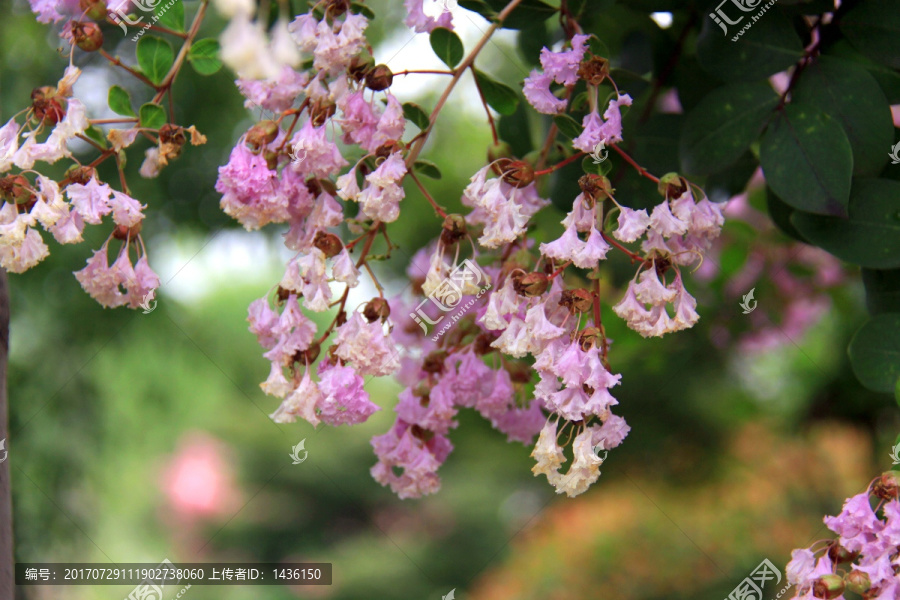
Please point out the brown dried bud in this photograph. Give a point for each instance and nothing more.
(828, 586)
(328, 243)
(379, 78)
(838, 554)
(387, 148)
(377, 308)
(335, 8)
(281, 295)
(79, 174)
(531, 284)
(577, 300)
(48, 106)
(261, 134)
(887, 487)
(15, 189)
(308, 356)
(123, 232)
(271, 158)
(453, 229)
(360, 65)
(672, 185)
(172, 134)
(516, 173)
(321, 111)
(482, 343)
(595, 187)
(519, 372)
(94, 9)
(590, 337)
(857, 582)
(434, 362)
(87, 35)
(594, 70)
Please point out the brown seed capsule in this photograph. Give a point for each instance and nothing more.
(377, 308)
(434, 362)
(857, 582)
(15, 189)
(94, 9)
(838, 554)
(335, 8)
(595, 188)
(123, 232)
(360, 65)
(590, 337)
(321, 111)
(281, 295)
(577, 300)
(531, 284)
(828, 586)
(453, 229)
(79, 174)
(482, 343)
(261, 134)
(672, 185)
(519, 372)
(48, 106)
(594, 70)
(328, 243)
(87, 35)
(887, 487)
(516, 173)
(308, 356)
(379, 78)
(387, 148)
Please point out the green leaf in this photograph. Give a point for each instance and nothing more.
(153, 116)
(769, 46)
(882, 290)
(872, 27)
(204, 56)
(780, 213)
(725, 123)
(526, 14)
(413, 112)
(515, 130)
(887, 78)
(120, 101)
(722, 186)
(361, 9)
(849, 94)
(171, 16)
(447, 45)
(875, 353)
(870, 236)
(155, 57)
(807, 160)
(596, 168)
(498, 96)
(96, 135)
(568, 126)
(427, 168)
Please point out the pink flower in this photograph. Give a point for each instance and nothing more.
(381, 197)
(343, 401)
(126, 210)
(611, 433)
(608, 130)
(9, 144)
(366, 346)
(563, 65)
(301, 402)
(537, 93)
(665, 223)
(250, 190)
(276, 95)
(90, 200)
(323, 158)
(631, 224)
(423, 23)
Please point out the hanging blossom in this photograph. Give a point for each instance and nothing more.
(421, 22)
(863, 559)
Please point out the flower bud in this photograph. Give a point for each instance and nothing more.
(87, 35)
(516, 173)
(595, 187)
(328, 243)
(361, 64)
(857, 582)
(321, 111)
(379, 78)
(531, 284)
(15, 189)
(261, 134)
(887, 487)
(838, 554)
(590, 337)
(453, 229)
(828, 586)
(577, 300)
(672, 185)
(94, 9)
(594, 70)
(80, 174)
(377, 308)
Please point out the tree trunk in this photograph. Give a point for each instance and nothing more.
(6, 522)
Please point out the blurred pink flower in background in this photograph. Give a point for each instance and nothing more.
(198, 479)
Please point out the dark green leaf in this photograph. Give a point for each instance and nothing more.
(849, 94)
(887, 78)
(171, 14)
(499, 96)
(530, 42)
(413, 112)
(567, 126)
(780, 213)
(655, 141)
(155, 57)
(875, 353)
(153, 116)
(120, 101)
(873, 27)
(515, 130)
(882, 290)
(447, 46)
(870, 236)
(525, 15)
(601, 167)
(729, 182)
(361, 9)
(204, 56)
(427, 168)
(769, 46)
(807, 160)
(724, 125)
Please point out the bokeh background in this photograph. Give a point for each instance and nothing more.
(138, 437)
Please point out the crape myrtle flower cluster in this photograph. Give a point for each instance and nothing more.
(333, 107)
(865, 558)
